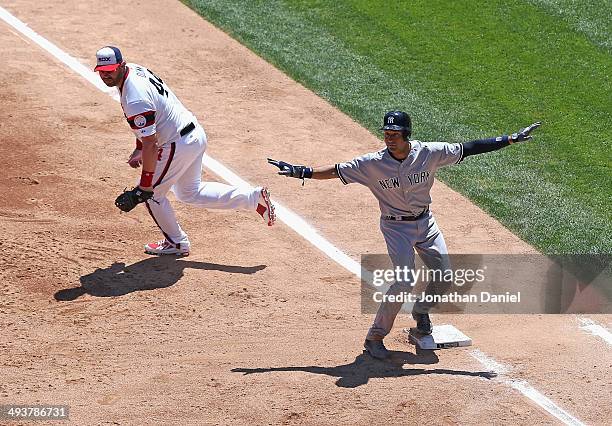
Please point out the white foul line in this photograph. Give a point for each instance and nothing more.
(595, 329)
(294, 221)
(58, 53)
(526, 389)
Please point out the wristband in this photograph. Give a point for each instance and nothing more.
(138, 144)
(146, 179)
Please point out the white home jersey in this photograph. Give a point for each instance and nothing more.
(150, 107)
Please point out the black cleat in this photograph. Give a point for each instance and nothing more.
(376, 349)
(423, 323)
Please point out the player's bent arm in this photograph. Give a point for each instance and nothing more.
(149, 161)
(135, 159)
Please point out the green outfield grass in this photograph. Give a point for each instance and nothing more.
(464, 70)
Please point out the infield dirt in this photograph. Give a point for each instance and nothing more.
(256, 326)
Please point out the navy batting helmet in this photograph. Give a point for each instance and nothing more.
(398, 120)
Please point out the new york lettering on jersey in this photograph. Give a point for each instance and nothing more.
(413, 179)
(150, 107)
(390, 183)
(401, 187)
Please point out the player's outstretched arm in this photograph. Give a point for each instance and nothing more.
(493, 144)
(304, 172)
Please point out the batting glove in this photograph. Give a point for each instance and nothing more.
(524, 135)
(290, 170)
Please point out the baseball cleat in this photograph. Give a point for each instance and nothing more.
(376, 349)
(166, 247)
(265, 208)
(423, 323)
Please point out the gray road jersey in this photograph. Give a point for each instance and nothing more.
(402, 188)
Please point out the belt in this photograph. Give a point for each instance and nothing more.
(187, 129)
(406, 218)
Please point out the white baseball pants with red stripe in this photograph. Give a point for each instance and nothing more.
(179, 168)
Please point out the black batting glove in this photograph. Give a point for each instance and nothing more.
(290, 170)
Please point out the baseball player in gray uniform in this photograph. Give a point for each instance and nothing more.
(401, 176)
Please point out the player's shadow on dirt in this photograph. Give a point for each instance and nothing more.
(149, 274)
(364, 368)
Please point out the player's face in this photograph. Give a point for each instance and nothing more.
(112, 78)
(395, 143)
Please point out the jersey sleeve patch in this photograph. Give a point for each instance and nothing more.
(142, 120)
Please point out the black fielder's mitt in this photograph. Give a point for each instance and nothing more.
(130, 199)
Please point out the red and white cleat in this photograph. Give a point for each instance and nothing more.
(265, 208)
(166, 247)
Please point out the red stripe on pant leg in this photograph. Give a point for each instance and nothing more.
(163, 174)
(170, 157)
(155, 220)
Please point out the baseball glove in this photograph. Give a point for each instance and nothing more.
(130, 199)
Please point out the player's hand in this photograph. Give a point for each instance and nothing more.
(135, 159)
(524, 134)
(290, 170)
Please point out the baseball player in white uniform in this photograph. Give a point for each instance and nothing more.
(400, 177)
(170, 144)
